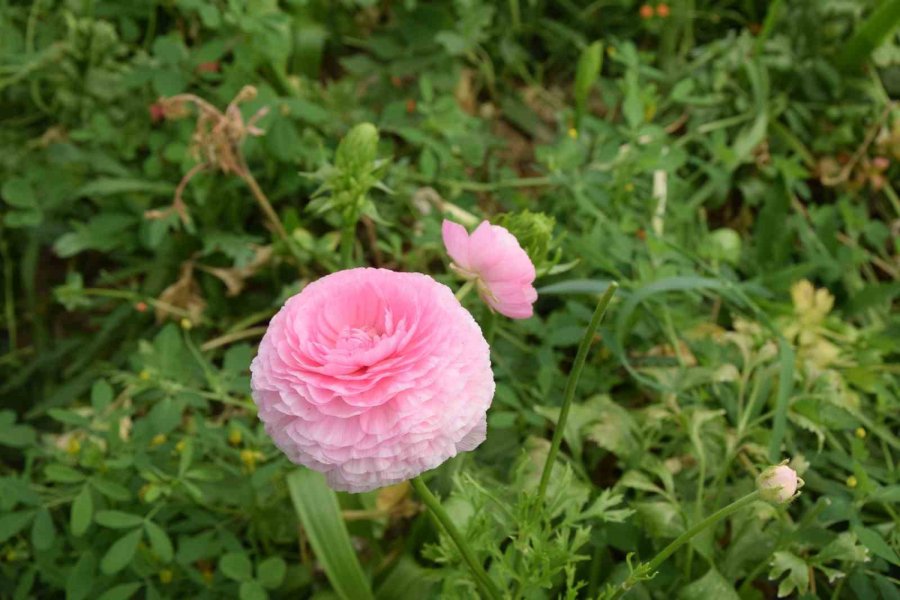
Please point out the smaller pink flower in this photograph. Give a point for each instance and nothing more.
(778, 484)
(495, 260)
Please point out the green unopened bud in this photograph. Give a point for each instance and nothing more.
(534, 232)
(778, 484)
(358, 150)
(724, 244)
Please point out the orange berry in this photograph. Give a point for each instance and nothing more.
(141, 307)
(663, 11)
(646, 12)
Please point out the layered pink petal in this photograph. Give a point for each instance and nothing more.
(372, 377)
(494, 257)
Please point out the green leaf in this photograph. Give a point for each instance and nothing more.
(711, 585)
(237, 566)
(589, 64)
(13, 523)
(108, 186)
(12, 435)
(270, 572)
(121, 552)
(252, 590)
(873, 31)
(43, 531)
(874, 542)
(82, 510)
(63, 474)
(785, 387)
(81, 577)
(406, 580)
(317, 508)
(797, 573)
(101, 394)
(159, 541)
(117, 519)
(111, 489)
(17, 192)
(120, 592)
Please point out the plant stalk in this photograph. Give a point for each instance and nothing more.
(572, 384)
(348, 233)
(485, 583)
(649, 569)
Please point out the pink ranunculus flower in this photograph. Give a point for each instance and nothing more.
(495, 260)
(372, 377)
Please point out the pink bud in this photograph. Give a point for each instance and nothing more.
(778, 484)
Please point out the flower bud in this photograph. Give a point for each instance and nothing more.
(534, 232)
(778, 484)
(358, 150)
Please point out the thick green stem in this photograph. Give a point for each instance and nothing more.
(572, 383)
(649, 569)
(485, 583)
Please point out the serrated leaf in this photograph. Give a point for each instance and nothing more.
(82, 510)
(318, 510)
(121, 552)
(159, 541)
(797, 571)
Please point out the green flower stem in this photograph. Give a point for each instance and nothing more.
(649, 569)
(572, 383)
(487, 586)
(464, 289)
(348, 233)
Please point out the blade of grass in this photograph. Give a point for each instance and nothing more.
(785, 386)
(870, 34)
(317, 508)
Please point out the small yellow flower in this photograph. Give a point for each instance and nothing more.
(861, 433)
(180, 446)
(573, 133)
(629, 187)
(144, 375)
(74, 446)
(186, 324)
(158, 440)
(250, 458)
(166, 576)
(851, 482)
(234, 436)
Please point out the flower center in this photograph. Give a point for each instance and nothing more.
(357, 338)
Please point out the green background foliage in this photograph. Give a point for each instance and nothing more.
(731, 164)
